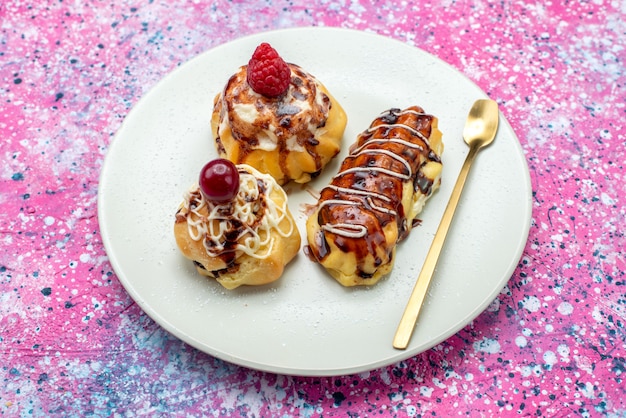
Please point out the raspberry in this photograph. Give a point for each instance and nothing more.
(268, 74)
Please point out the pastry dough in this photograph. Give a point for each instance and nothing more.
(246, 241)
(372, 203)
(291, 137)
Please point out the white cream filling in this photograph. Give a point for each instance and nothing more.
(292, 144)
(247, 112)
(267, 140)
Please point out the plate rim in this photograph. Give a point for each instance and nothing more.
(303, 371)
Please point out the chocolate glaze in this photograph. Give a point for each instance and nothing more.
(367, 191)
(286, 119)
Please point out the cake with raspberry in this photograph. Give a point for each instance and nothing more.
(277, 118)
(235, 225)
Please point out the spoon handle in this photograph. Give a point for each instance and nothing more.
(414, 305)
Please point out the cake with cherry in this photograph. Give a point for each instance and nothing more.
(277, 118)
(235, 225)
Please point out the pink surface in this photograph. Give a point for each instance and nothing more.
(74, 343)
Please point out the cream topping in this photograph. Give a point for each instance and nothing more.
(246, 112)
(254, 116)
(251, 215)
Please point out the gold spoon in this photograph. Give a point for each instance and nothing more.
(480, 130)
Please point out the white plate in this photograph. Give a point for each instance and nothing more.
(306, 323)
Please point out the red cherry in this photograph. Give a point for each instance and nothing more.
(219, 180)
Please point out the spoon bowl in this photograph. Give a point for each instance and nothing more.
(481, 124)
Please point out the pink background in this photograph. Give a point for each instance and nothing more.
(73, 342)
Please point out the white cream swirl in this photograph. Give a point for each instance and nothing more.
(243, 224)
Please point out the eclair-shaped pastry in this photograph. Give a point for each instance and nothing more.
(242, 236)
(373, 201)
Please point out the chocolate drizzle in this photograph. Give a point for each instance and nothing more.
(366, 194)
(287, 123)
(240, 226)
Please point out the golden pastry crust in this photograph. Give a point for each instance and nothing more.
(371, 204)
(291, 137)
(247, 241)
